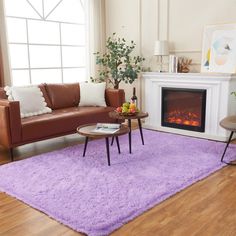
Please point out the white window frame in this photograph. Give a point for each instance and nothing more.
(44, 19)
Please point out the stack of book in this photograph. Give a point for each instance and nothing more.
(173, 64)
(106, 128)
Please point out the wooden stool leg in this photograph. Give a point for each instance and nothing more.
(230, 137)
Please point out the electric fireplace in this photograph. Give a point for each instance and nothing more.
(184, 108)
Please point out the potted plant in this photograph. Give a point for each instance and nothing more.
(117, 64)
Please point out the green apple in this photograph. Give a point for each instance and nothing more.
(124, 109)
(126, 104)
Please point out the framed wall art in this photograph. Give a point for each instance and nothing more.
(219, 48)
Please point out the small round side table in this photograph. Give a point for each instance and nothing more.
(138, 116)
(88, 131)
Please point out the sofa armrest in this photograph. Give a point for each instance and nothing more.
(10, 123)
(114, 97)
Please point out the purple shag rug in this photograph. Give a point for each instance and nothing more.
(88, 196)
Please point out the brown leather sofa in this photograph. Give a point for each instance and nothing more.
(66, 116)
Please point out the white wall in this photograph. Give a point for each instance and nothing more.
(179, 21)
(123, 18)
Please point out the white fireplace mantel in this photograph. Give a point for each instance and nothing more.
(219, 101)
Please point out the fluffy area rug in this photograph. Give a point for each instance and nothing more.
(87, 195)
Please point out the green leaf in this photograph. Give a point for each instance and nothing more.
(118, 64)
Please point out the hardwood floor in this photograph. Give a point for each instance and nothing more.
(205, 208)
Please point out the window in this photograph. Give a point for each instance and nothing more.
(47, 40)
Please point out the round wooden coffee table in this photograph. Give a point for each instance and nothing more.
(88, 132)
(138, 116)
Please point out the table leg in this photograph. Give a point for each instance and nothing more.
(141, 131)
(112, 140)
(85, 145)
(108, 151)
(129, 125)
(118, 144)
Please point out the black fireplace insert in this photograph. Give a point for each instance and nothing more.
(184, 108)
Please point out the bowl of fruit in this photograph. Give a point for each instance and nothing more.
(127, 109)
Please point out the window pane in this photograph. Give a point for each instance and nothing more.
(68, 11)
(45, 56)
(19, 56)
(43, 32)
(20, 77)
(49, 6)
(74, 75)
(37, 5)
(20, 8)
(43, 76)
(78, 32)
(73, 56)
(16, 30)
(40, 49)
(83, 2)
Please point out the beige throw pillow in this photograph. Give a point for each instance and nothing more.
(31, 100)
(92, 94)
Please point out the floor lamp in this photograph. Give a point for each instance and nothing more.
(161, 49)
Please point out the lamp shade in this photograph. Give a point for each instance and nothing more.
(161, 48)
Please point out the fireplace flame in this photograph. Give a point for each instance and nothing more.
(183, 118)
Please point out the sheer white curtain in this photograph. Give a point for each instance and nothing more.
(96, 31)
(5, 77)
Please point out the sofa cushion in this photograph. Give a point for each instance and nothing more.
(42, 88)
(62, 121)
(92, 94)
(31, 100)
(63, 95)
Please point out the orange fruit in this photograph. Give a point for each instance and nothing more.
(132, 106)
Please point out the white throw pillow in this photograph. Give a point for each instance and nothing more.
(92, 94)
(31, 100)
